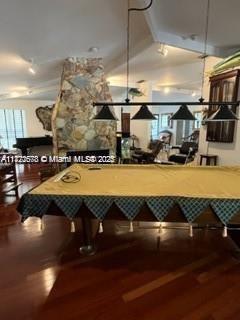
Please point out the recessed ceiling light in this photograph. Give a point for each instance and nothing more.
(194, 94)
(14, 94)
(93, 49)
(163, 50)
(166, 90)
(32, 70)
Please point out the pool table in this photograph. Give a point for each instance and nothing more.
(202, 195)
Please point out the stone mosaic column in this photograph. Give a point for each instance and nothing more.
(82, 83)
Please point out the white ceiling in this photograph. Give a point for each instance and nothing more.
(48, 31)
(170, 20)
(181, 69)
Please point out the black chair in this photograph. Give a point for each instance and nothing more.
(193, 137)
(186, 153)
(148, 157)
(165, 136)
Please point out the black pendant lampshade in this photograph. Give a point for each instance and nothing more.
(105, 114)
(222, 114)
(183, 113)
(143, 114)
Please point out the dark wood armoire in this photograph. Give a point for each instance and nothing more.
(223, 87)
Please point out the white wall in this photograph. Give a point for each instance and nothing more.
(228, 153)
(140, 128)
(33, 126)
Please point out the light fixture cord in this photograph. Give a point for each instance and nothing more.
(128, 39)
(128, 49)
(205, 44)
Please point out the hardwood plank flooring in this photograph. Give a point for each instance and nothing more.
(134, 276)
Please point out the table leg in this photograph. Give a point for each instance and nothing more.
(234, 235)
(88, 247)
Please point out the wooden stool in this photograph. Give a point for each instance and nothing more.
(210, 158)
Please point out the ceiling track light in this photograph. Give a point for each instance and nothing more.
(32, 67)
(163, 50)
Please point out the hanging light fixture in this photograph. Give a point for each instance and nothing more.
(105, 114)
(32, 67)
(184, 105)
(144, 114)
(222, 114)
(183, 113)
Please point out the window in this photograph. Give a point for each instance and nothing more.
(155, 127)
(166, 123)
(12, 126)
(197, 123)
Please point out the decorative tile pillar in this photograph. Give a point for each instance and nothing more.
(82, 83)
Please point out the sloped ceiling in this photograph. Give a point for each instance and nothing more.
(48, 31)
(174, 22)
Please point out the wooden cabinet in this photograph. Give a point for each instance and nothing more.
(223, 87)
(125, 117)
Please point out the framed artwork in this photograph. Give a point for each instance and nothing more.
(44, 115)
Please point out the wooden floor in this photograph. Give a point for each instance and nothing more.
(143, 275)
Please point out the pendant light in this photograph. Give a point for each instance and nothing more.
(105, 114)
(222, 114)
(183, 113)
(144, 114)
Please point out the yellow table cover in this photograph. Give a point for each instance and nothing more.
(148, 180)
